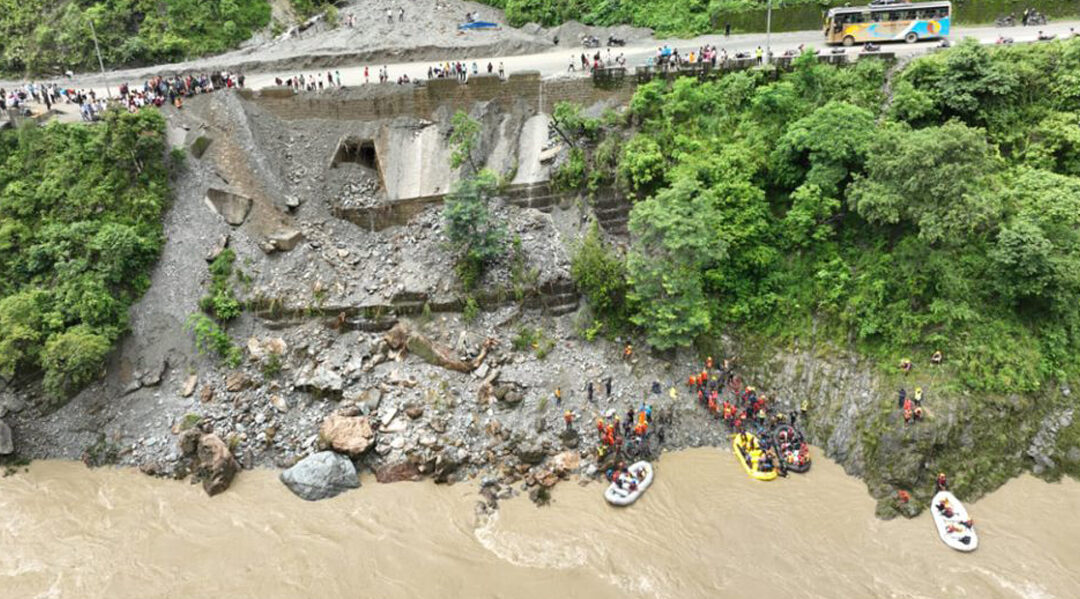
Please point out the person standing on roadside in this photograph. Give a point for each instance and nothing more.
(401, 14)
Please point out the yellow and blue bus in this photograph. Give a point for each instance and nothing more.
(887, 21)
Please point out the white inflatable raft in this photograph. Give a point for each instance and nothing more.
(952, 530)
(623, 496)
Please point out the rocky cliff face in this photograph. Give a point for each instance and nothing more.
(854, 416)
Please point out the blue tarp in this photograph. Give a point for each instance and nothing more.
(479, 25)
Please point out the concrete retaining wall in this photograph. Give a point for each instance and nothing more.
(373, 102)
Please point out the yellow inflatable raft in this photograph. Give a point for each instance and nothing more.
(753, 449)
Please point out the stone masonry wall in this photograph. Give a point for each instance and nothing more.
(374, 102)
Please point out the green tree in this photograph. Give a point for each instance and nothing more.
(673, 246)
(824, 148)
(601, 275)
(80, 227)
(642, 163)
(476, 236)
(73, 358)
(941, 179)
(464, 139)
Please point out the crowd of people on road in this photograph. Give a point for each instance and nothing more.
(156, 91)
(461, 71)
(594, 62)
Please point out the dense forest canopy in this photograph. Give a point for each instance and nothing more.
(80, 226)
(52, 36)
(940, 211)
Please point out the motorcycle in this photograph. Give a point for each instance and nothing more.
(590, 41)
(1036, 18)
(1006, 21)
(615, 41)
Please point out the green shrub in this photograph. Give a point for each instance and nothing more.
(476, 235)
(80, 227)
(210, 337)
(601, 275)
(471, 310)
(46, 36)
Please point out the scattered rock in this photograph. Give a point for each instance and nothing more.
(217, 466)
(232, 207)
(285, 240)
(7, 445)
(280, 403)
(206, 395)
(368, 400)
(547, 479)
(237, 381)
(218, 247)
(532, 453)
(481, 371)
(565, 463)
(321, 476)
(189, 441)
(446, 463)
(351, 435)
(152, 377)
(275, 345)
(319, 379)
(397, 472)
(189, 385)
(9, 402)
(414, 412)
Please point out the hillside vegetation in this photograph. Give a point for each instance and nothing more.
(51, 36)
(892, 214)
(945, 218)
(80, 226)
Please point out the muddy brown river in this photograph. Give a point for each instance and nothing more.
(703, 530)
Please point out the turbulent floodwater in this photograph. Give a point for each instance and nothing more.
(703, 530)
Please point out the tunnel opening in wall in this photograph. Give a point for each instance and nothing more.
(353, 150)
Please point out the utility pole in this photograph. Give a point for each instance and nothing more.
(768, 33)
(101, 63)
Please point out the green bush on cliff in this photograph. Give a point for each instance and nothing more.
(51, 36)
(947, 218)
(477, 237)
(80, 226)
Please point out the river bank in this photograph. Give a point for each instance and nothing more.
(814, 535)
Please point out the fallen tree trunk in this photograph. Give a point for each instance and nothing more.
(401, 336)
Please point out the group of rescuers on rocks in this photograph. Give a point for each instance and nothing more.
(628, 435)
(742, 411)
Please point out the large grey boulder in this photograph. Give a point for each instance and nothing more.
(321, 476)
(6, 444)
(232, 207)
(321, 379)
